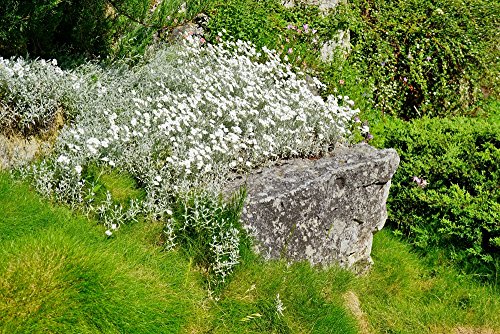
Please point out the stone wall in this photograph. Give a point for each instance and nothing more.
(16, 151)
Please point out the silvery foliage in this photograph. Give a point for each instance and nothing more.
(212, 222)
(31, 93)
(188, 117)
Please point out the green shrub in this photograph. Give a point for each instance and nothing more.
(69, 30)
(426, 57)
(459, 208)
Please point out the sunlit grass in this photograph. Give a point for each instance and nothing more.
(408, 294)
(59, 273)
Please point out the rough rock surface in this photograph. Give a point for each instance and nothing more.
(324, 211)
(17, 151)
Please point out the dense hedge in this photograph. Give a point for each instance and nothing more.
(459, 208)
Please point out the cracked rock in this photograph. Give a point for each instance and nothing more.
(324, 211)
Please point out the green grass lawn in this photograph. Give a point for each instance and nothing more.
(405, 293)
(59, 273)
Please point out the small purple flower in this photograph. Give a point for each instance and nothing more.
(369, 137)
(357, 120)
(291, 27)
(383, 63)
(306, 28)
(290, 50)
(428, 58)
(405, 79)
(314, 31)
(422, 183)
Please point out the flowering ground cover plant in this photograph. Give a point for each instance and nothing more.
(188, 117)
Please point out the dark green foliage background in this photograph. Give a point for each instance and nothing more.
(47, 28)
(74, 30)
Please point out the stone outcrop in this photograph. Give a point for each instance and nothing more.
(324, 211)
(16, 151)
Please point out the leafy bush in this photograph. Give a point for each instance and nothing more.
(70, 30)
(426, 57)
(445, 193)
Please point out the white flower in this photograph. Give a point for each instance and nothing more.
(78, 169)
(63, 159)
(108, 233)
(157, 180)
(114, 226)
(279, 305)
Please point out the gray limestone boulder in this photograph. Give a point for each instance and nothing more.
(324, 211)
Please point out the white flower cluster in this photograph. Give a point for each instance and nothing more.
(187, 118)
(196, 113)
